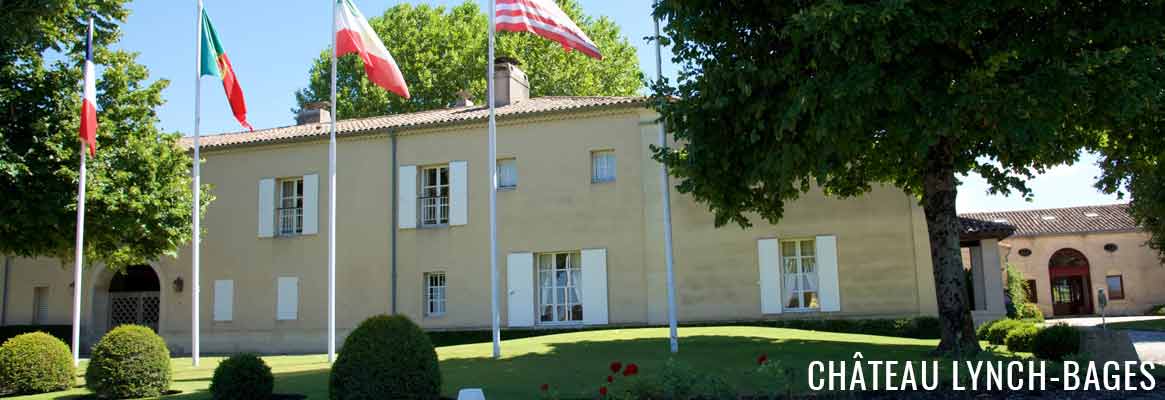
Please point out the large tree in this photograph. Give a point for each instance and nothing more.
(777, 97)
(443, 51)
(138, 189)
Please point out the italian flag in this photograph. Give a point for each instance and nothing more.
(214, 62)
(354, 35)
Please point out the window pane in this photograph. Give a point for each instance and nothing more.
(576, 260)
(1116, 288)
(547, 313)
(560, 261)
(507, 173)
(807, 248)
(810, 300)
(545, 261)
(808, 264)
(603, 166)
(788, 249)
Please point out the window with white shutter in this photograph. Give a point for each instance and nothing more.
(224, 299)
(507, 174)
(287, 298)
(40, 305)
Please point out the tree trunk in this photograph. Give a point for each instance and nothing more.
(938, 201)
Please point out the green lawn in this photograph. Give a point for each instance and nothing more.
(1148, 325)
(576, 363)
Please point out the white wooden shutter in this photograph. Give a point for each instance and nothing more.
(311, 204)
(407, 197)
(520, 285)
(828, 290)
(266, 207)
(768, 253)
(224, 299)
(458, 193)
(594, 286)
(287, 294)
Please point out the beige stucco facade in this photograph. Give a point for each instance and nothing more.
(1139, 267)
(883, 266)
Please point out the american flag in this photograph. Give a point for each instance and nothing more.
(543, 18)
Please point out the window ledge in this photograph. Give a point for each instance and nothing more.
(439, 226)
(599, 182)
(435, 316)
(507, 188)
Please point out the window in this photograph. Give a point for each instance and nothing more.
(507, 173)
(434, 294)
(40, 305)
(287, 298)
(603, 166)
(560, 287)
(1116, 287)
(435, 196)
(1029, 290)
(224, 300)
(290, 206)
(800, 274)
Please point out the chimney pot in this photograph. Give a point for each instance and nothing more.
(463, 99)
(511, 84)
(314, 113)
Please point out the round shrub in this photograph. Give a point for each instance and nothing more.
(1056, 342)
(1156, 310)
(997, 333)
(1031, 312)
(35, 363)
(128, 362)
(386, 358)
(242, 377)
(981, 331)
(1021, 338)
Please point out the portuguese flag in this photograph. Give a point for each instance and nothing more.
(214, 62)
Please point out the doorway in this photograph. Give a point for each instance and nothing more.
(1071, 288)
(134, 297)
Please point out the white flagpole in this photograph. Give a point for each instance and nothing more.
(491, 159)
(196, 188)
(665, 192)
(79, 247)
(332, 206)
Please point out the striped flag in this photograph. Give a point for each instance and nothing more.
(545, 19)
(354, 35)
(88, 129)
(214, 62)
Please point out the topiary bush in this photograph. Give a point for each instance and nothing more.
(997, 332)
(1021, 338)
(35, 363)
(128, 362)
(242, 377)
(1031, 312)
(1056, 342)
(386, 357)
(981, 331)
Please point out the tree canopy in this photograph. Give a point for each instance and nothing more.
(138, 188)
(775, 98)
(443, 51)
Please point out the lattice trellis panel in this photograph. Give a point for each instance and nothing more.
(140, 308)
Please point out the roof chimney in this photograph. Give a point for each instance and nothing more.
(512, 85)
(464, 99)
(314, 113)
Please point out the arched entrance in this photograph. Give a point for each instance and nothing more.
(134, 297)
(1071, 288)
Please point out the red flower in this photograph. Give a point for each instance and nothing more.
(610, 379)
(544, 387)
(631, 369)
(761, 360)
(602, 390)
(616, 366)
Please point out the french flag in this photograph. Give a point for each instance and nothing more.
(89, 101)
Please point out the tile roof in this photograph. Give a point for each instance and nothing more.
(977, 229)
(1087, 219)
(533, 106)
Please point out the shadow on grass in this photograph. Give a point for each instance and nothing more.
(578, 369)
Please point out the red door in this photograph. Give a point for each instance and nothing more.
(1071, 288)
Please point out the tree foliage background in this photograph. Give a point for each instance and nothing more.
(442, 51)
(138, 185)
(775, 98)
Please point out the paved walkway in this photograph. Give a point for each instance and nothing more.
(1150, 345)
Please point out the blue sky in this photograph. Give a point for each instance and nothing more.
(272, 43)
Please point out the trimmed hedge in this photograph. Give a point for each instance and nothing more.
(35, 363)
(130, 361)
(62, 332)
(1021, 338)
(996, 333)
(1056, 342)
(386, 357)
(242, 377)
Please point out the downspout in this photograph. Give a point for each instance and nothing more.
(4, 307)
(395, 216)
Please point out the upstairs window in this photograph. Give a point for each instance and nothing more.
(290, 212)
(435, 196)
(507, 174)
(602, 166)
